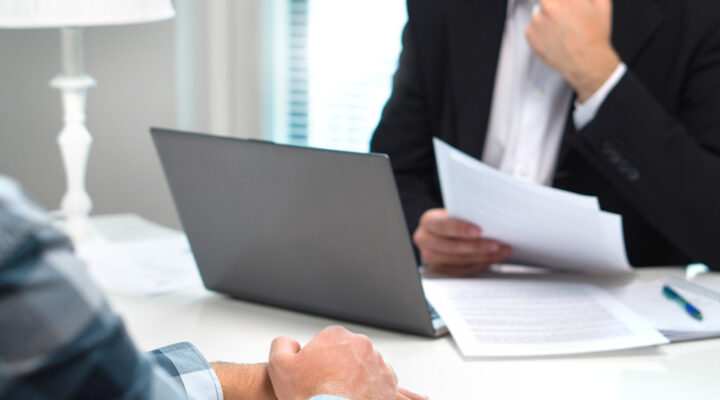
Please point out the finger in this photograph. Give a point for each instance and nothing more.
(431, 258)
(504, 253)
(460, 271)
(363, 347)
(283, 346)
(540, 21)
(466, 268)
(497, 257)
(439, 222)
(427, 240)
(550, 10)
(410, 395)
(439, 257)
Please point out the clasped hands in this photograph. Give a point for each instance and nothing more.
(335, 362)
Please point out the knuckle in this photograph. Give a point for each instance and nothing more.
(419, 237)
(277, 342)
(433, 220)
(436, 212)
(363, 339)
(548, 7)
(430, 215)
(335, 330)
(363, 342)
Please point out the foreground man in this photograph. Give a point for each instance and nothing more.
(60, 340)
(619, 101)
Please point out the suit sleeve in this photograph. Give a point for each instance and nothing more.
(405, 133)
(667, 166)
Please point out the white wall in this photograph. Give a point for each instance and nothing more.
(145, 78)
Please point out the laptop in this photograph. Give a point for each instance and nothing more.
(317, 231)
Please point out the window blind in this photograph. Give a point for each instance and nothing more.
(332, 64)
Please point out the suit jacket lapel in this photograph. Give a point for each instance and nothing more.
(634, 22)
(475, 28)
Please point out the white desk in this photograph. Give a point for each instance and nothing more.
(231, 330)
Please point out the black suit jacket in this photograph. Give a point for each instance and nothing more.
(652, 153)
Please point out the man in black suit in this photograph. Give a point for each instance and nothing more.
(626, 107)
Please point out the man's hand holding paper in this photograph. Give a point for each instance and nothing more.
(455, 247)
(546, 227)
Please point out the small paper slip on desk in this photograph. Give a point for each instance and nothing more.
(646, 299)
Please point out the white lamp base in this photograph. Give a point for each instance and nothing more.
(74, 139)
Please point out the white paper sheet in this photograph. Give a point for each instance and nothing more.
(546, 227)
(506, 317)
(144, 267)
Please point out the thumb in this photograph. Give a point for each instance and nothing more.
(284, 346)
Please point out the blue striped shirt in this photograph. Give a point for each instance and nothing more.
(59, 339)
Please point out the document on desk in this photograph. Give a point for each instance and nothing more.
(509, 318)
(142, 267)
(546, 227)
(646, 299)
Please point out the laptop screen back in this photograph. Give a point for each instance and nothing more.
(312, 230)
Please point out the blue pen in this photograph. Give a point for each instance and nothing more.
(689, 308)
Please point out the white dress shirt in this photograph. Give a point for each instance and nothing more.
(530, 103)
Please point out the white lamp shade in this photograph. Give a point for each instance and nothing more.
(77, 13)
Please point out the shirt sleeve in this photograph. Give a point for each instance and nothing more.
(189, 369)
(585, 112)
(59, 338)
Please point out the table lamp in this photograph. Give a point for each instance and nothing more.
(74, 139)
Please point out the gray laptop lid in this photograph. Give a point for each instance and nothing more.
(313, 230)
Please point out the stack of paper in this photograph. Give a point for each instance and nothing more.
(546, 227)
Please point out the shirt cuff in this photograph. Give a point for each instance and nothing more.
(327, 397)
(184, 363)
(585, 112)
